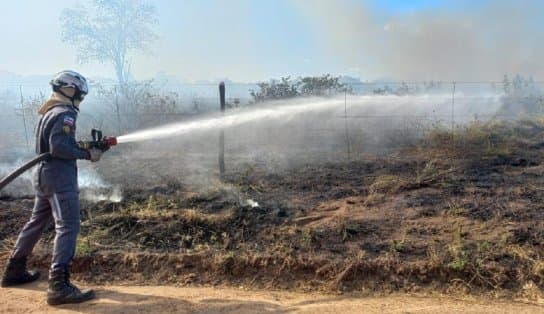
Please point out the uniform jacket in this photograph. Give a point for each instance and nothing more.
(55, 133)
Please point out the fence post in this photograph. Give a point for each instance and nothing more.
(23, 113)
(346, 121)
(222, 132)
(117, 110)
(453, 116)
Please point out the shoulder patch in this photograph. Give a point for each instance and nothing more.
(69, 121)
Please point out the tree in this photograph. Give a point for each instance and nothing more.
(403, 89)
(320, 86)
(506, 84)
(108, 31)
(521, 97)
(386, 90)
(141, 105)
(282, 89)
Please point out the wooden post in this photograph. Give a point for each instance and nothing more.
(453, 116)
(117, 110)
(23, 113)
(346, 121)
(222, 133)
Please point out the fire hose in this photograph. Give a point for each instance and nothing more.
(98, 142)
(12, 176)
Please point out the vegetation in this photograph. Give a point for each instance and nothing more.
(325, 85)
(450, 212)
(462, 216)
(522, 97)
(108, 31)
(137, 105)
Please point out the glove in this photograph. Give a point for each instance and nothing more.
(94, 154)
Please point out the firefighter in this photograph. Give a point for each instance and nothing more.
(55, 183)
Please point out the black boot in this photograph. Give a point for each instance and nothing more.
(61, 291)
(16, 273)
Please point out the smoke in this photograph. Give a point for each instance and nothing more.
(112, 194)
(21, 185)
(286, 135)
(467, 41)
(93, 187)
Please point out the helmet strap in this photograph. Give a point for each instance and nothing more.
(72, 99)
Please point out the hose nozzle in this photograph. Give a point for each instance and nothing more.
(99, 142)
(110, 140)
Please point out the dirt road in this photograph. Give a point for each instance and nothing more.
(153, 299)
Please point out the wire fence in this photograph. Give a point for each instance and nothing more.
(373, 118)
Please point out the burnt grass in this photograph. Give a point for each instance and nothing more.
(449, 214)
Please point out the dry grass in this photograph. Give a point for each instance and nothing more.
(386, 184)
(465, 214)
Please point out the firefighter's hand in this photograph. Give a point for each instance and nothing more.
(94, 154)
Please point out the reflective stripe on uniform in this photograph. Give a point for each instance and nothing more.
(56, 206)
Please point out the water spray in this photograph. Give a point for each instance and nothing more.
(274, 111)
(104, 143)
(229, 120)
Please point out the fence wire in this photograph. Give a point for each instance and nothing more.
(375, 118)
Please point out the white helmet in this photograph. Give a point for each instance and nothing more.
(70, 79)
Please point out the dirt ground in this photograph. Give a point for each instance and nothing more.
(163, 299)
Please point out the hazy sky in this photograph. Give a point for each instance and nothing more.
(255, 40)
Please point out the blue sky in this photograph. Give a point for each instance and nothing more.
(248, 40)
(408, 6)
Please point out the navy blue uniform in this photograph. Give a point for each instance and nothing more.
(55, 182)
